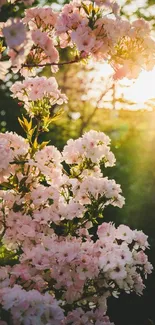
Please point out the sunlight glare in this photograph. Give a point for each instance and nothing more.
(143, 88)
(139, 91)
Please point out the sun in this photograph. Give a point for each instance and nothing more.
(143, 88)
(138, 91)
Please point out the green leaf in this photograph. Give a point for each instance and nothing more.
(21, 123)
(31, 132)
(25, 124)
(43, 144)
(23, 180)
(35, 144)
(6, 186)
(7, 256)
(28, 125)
(50, 201)
(86, 9)
(57, 114)
(14, 180)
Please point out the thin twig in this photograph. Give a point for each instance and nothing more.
(31, 65)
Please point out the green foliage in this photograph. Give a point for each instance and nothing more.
(7, 257)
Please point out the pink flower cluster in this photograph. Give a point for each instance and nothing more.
(36, 45)
(38, 94)
(77, 269)
(66, 197)
(18, 41)
(31, 307)
(93, 146)
(109, 4)
(128, 47)
(93, 188)
(79, 317)
(60, 273)
(41, 22)
(86, 25)
(12, 147)
(45, 217)
(40, 18)
(42, 40)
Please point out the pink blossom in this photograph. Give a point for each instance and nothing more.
(30, 306)
(106, 231)
(41, 17)
(42, 39)
(14, 33)
(5, 152)
(125, 233)
(35, 89)
(51, 200)
(93, 145)
(79, 317)
(83, 38)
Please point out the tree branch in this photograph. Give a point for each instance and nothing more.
(41, 65)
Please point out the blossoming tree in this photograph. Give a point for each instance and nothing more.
(58, 271)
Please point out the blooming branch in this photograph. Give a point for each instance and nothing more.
(58, 270)
(31, 65)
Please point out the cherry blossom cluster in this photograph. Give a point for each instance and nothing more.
(18, 40)
(41, 22)
(108, 265)
(62, 261)
(61, 197)
(12, 147)
(31, 307)
(46, 217)
(90, 317)
(93, 146)
(79, 270)
(128, 47)
(38, 95)
(93, 28)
